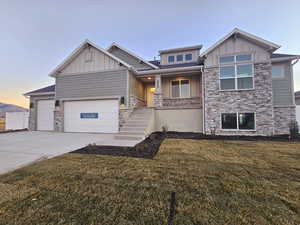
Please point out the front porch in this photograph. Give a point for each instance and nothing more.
(180, 90)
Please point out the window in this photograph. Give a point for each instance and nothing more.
(188, 57)
(236, 73)
(277, 71)
(238, 121)
(179, 58)
(180, 88)
(171, 58)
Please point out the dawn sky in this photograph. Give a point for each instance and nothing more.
(37, 35)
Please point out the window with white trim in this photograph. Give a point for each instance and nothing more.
(238, 121)
(180, 88)
(278, 71)
(236, 72)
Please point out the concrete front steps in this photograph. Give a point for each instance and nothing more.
(136, 125)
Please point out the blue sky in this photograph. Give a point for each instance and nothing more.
(37, 35)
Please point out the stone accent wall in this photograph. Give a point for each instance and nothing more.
(258, 100)
(59, 117)
(158, 100)
(136, 102)
(124, 114)
(33, 111)
(183, 102)
(282, 117)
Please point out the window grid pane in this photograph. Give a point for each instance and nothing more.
(244, 70)
(245, 83)
(188, 57)
(227, 72)
(171, 58)
(246, 121)
(229, 121)
(226, 59)
(175, 89)
(184, 88)
(227, 84)
(179, 58)
(240, 58)
(277, 71)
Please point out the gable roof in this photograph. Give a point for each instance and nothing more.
(297, 94)
(114, 44)
(78, 50)
(42, 91)
(249, 36)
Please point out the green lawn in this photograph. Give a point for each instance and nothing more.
(216, 182)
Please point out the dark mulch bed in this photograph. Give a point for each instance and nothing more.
(149, 147)
(198, 136)
(146, 149)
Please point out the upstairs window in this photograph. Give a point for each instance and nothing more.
(180, 88)
(171, 58)
(277, 71)
(236, 72)
(188, 57)
(179, 58)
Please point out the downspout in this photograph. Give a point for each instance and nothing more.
(292, 79)
(203, 100)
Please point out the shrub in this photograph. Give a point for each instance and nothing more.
(294, 129)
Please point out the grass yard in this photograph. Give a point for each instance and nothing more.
(216, 182)
(2, 124)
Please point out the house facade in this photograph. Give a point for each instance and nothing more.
(238, 86)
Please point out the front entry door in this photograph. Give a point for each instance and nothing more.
(150, 95)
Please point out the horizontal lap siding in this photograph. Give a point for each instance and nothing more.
(282, 87)
(108, 83)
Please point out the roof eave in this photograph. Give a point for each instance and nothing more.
(41, 93)
(169, 70)
(132, 54)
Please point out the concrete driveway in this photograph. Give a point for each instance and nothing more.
(18, 149)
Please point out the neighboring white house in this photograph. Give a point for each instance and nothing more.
(16, 120)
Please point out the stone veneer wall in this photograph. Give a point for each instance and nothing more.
(259, 100)
(33, 111)
(170, 102)
(59, 117)
(157, 99)
(283, 115)
(124, 114)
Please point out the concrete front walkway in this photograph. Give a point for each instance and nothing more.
(21, 148)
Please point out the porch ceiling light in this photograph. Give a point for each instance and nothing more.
(149, 78)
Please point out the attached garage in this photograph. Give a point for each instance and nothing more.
(45, 115)
(96, 116)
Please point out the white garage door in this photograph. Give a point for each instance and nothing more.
(45, 115)
(100, 116)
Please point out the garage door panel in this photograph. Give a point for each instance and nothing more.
(45, 115)
(107, 121)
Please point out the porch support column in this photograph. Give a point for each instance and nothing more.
(157, 94)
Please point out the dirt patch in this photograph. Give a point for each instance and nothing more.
(146, 149)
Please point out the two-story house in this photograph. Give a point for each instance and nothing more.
(238, 86)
